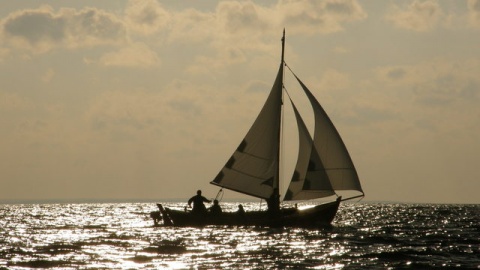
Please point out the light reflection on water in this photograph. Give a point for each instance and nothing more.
(121, 236)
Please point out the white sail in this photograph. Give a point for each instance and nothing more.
(253, 167)
(309, 180)
(334, 160)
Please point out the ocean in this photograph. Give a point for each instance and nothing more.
(122, 236)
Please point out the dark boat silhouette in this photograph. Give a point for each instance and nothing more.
(323, 168)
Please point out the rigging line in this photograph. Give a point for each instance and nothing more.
(355, 197)
(220, 192)
(288, 94)
(291, 70)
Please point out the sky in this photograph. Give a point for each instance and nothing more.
(121, 100)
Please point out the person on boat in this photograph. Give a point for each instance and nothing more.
(273, 203)
(198, 200)
(240, 210)
(215, 209)
(241, 216)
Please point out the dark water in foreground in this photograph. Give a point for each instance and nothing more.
(121, 236)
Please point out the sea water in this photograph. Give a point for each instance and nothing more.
(122, 236)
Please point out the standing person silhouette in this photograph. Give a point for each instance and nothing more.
(198, 200)
(273, 203)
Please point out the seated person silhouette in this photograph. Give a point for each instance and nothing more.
(215, 209)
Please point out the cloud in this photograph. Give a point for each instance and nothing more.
(48, 75)
(173, 105)
(394, 73)
(92, 27)
(345, 100)
(447, 88)
(310, 17)
(12, 102)
(419, 16)
(124, 110)
(43, 29)
(39, 28)
(146, 17)
(192, 26)
(239, 18)
(225, 29)
(474, 12)
(225, 57)
(341, 50)
(437, 83)
(232, 21)
(134, 55)
(299, 17)
(222, 29)
(333, 79)
(3, 53)
(432, 98)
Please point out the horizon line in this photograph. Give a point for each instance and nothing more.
(150, 200)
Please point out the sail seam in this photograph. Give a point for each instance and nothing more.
(251, 155)
(252, 176)
(332, 169)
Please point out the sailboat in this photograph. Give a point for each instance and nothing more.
(323, 168)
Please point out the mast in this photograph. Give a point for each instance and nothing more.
(283, 48)
(276, 186)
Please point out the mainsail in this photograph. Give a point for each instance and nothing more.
(323, 164)
(253, 167)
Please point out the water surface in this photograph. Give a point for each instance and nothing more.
(121, 236)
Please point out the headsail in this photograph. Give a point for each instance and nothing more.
(329, 160)
(309, 180)
(253, 167)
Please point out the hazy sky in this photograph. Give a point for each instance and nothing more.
(148, 99)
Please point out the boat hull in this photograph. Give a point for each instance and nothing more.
(317, 216)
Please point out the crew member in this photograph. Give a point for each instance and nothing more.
(198, 200)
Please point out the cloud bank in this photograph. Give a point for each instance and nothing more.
(148, 94)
